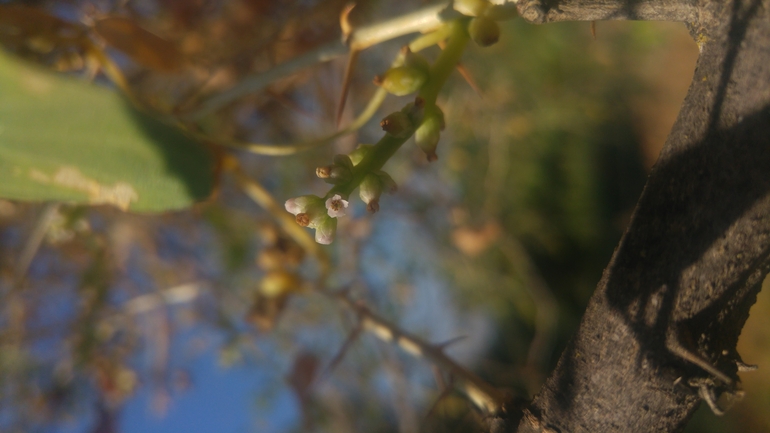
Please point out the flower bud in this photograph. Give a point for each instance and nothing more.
(359, 153)
(308, 209)
(414, 110)
(484, 31)
(333, 174)
(472, 8)
(397, 124)
(324, 172)
(301, 204)
(324, 233)
(337, 173)
(370, 191)
(343, 161)
(402, 80)
(372, 187)
(311, 211)
(415, 60)
(427, 134)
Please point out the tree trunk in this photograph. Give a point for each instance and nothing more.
(659, 334)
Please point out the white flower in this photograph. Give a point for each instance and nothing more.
(335, 206)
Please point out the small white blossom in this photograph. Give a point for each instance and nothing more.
(335, 206)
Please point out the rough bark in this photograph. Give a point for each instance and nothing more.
(548, 11)
(659, 334)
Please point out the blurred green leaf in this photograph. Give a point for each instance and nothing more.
(66, 140)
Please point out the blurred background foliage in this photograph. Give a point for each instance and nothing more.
(502, 240)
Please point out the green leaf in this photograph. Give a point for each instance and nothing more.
(63, 139)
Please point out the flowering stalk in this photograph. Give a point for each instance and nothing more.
(389, 144)
(347, 175)
(446, 61)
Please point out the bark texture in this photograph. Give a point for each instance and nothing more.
(547, 11)
(659, 333)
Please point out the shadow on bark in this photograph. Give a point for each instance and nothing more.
(728, 176)
(692, 202)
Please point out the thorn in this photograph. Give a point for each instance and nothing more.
(345, 26)
(707, 394)
(463, 71)
(352, 337)
(743, 367)
(677, 348)
(593, 29)
(352, 57)
(469, 79)
(451, 341)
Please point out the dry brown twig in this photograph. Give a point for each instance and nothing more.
(485, 396)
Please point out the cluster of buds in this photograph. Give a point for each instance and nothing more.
(313, 212)
(422, 118)
(321, 214)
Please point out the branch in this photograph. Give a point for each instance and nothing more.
(422, 20)
(482, 394)
(548, 11)
(659, 334)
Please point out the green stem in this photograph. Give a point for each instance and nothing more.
(373, 161)
(389, 144)
(446, 62)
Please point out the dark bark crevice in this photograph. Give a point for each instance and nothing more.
(661, 329)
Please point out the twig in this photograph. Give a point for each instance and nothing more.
(374, 104)
(422, 20)
(485, 396)
(352, 337)
(446, 389)
(425, 19)
(346, 85)
(175, 295)
(292, 148)
(255, 83)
